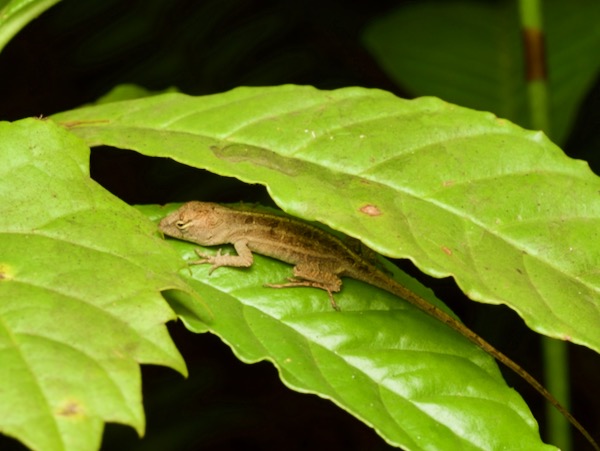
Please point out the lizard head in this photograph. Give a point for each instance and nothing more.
(198, 222)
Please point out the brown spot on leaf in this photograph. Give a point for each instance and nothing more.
(73, 124)
(370, 210)
(447, 250)
(70, 409)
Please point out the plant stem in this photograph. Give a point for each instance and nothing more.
(556, 377)
(554, 352)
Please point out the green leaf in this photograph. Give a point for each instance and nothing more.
(80, 304)
(15, 14)
(459, 192)
(471, 53)
(384, 361)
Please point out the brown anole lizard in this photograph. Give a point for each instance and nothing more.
(320, 260)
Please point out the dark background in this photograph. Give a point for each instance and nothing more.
(79, 50)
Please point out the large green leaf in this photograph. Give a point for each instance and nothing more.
(15, 14)
(470, 53)
(460, 192)
(80, 303)
(419, 385)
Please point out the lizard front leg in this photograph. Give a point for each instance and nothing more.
(243, 259)
(313, 276)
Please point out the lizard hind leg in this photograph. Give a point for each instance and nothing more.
(315, 278)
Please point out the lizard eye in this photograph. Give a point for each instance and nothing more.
(181, 224)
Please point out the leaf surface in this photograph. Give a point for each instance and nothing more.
(460, 192)
(80, 303)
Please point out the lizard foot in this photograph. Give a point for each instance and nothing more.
(214, 260)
